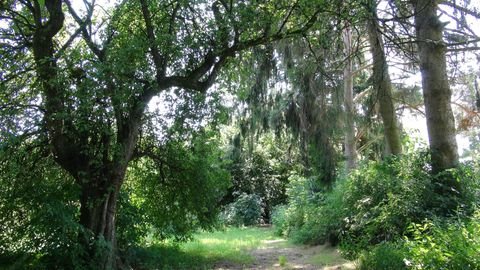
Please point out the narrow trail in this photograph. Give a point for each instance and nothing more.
(280, 255)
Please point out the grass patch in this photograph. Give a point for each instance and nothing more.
(231, 245)
(166, 257)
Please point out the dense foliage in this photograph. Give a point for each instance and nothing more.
(246, 210)
(381, 213)
(39, 202)
(261, 169)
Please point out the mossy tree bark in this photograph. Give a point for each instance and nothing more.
(436, 89)
(383, 85)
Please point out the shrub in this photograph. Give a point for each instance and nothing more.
(279, 219)
(38, 209)
(246, 210)
(313, 216)
(382, 199)
(177, 197)
(132, 227)
(385, 256)
(370, 212)
(451, 244)
(304, 200)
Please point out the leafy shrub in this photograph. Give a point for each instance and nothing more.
(329, 221)
(132, 226)
(282, 260)
(246, 210)
(385, 256)
(38, 209)
(313, 216)
(467, 175)
(384, 198)
(304, 200)
(261, 169)
(279, 219)
(375, 203)
(454, 244)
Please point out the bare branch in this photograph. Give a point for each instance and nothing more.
(100, 53)
(470, 12)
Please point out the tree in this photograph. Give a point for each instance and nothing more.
(350, 141)
(93, 92)
(382, 83)
(436, 89)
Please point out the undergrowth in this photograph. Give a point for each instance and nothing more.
(390, 214)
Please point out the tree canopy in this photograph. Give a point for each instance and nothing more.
(154, 114)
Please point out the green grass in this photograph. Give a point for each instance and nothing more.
(227, 247)
(231, 245)
(282, 260)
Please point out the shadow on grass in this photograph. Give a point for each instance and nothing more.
(209, 248)
(165, 257)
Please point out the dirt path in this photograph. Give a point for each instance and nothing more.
(278, 254)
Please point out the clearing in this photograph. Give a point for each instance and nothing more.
(259, 248)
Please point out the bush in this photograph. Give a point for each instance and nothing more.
(385, 256)
(38, 210)
(312, 216)
(444, 244)
(132, 226)
(304, 200)
(382, 199)
(371, 211)
(246, 210)
(279, 219)
(177, 192)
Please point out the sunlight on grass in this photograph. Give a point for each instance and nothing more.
(232, 244)
(233, 248)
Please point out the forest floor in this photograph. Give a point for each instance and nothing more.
(259, 248)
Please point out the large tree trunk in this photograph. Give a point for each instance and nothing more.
(383, 85)
(437, 98)
(436, 90)
(350, 147)
(98, 207)
(99, 185)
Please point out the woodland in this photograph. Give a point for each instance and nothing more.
(128, 124)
